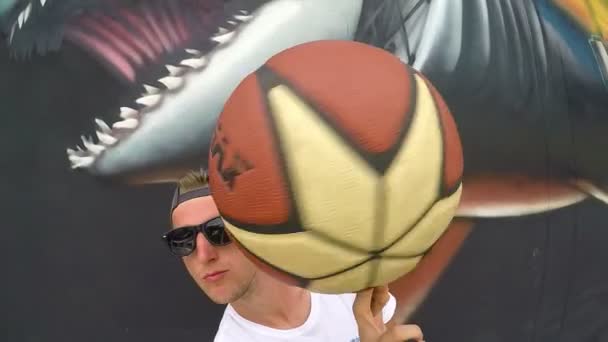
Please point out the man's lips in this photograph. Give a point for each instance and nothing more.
(214, 275)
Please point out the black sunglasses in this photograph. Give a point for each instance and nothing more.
(182, 241)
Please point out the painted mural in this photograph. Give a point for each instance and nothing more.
(526, 81)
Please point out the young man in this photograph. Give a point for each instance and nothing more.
(259, 307)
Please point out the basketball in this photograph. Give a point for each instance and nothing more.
(335, 166)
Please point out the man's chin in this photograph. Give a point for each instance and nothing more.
(219, 296)
(226, 291)
(222, 301)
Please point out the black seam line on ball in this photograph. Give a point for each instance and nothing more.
(267, 80)
(379, 225)
(288, 227)
(371, 258)
(447, 192)
(343, 270)
(340, 243)
(412, 227)
(378, 161)
(376, 252)
(301, 280)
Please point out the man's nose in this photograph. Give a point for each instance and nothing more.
(204, 250)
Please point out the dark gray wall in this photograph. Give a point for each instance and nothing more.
(80, 260)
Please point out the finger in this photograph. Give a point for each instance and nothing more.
(380, 297)
(403, 332)
(362, 303)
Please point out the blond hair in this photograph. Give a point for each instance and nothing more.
(193, 184)
(193, 180)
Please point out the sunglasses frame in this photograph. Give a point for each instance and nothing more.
(199, 228)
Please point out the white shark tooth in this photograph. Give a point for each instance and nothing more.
(193, 52)
(107, 139)
(221, 30)
(103, 126)
(20, 18)
(86, 140)
(149, 100)
(73, 154)
(243, 17)
(151, 90)
(194, 63)
(244, 11)
(96, 149)
(126, 124)
(175, 71)
(27, 11)
(171, 82)
(10, 40)
(128, 113)
(232, 22)
(82, 162)
(74, 158)
(224, 38)
(42, 3)
(92, 147)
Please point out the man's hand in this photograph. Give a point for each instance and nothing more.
(368, 314)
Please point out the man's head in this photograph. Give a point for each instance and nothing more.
(219, 268)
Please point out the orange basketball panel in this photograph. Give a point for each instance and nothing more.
(367, 103)
(244, 167)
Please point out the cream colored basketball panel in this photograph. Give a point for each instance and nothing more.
(358, 278)
(392, 269)
(322, 257)
(412, 183)
(332, 185)
(428, 230)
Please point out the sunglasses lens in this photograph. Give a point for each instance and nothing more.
(216, 233)
(182, 241)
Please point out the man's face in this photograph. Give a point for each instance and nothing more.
(223, 273)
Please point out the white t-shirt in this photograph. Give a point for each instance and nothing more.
(331, 319)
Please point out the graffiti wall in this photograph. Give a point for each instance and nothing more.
(106, 103)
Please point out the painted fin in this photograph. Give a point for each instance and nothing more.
(592, 190)
(515, 195)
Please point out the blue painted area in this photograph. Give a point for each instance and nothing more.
(6, 6)
(573, 34)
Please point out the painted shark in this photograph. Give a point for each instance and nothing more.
(526, 81)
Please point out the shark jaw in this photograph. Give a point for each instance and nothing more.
(171, 133)
(6, 6)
